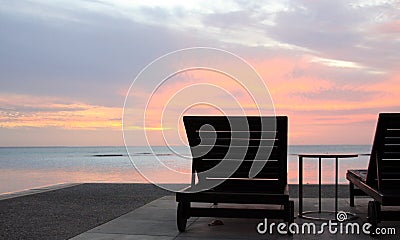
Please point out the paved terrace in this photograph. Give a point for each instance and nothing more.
(156, 221)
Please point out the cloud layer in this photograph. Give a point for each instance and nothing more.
(330, 66)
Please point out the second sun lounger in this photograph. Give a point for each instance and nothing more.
(381, 180)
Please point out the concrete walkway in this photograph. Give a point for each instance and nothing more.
(157, 220)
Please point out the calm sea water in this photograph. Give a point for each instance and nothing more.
(24, 168)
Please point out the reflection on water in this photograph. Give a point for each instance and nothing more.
(24, 168)
(19, 179)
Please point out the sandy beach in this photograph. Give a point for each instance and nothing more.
(67, 212)
(64, 213)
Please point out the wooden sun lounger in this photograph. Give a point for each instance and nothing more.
(235, 144)
(381, 180)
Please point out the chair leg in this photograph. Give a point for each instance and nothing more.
(373, 208)
(288, 208)
(290, 215)
(351, 185)
(378, 211)
(182, 215)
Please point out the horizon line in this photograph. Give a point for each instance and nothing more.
(99, 146)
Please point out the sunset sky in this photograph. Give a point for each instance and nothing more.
(66, 66)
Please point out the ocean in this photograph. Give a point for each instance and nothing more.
(24, 168)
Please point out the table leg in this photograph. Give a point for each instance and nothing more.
(336, 187)
(351, 186)
(319, 184)
(300, 186)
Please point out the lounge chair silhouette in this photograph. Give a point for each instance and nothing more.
(381, 181)
(236, 160)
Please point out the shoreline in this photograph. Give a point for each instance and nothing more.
(308, 188)
(36, 190)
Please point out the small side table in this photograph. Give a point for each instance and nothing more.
(321, 156)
